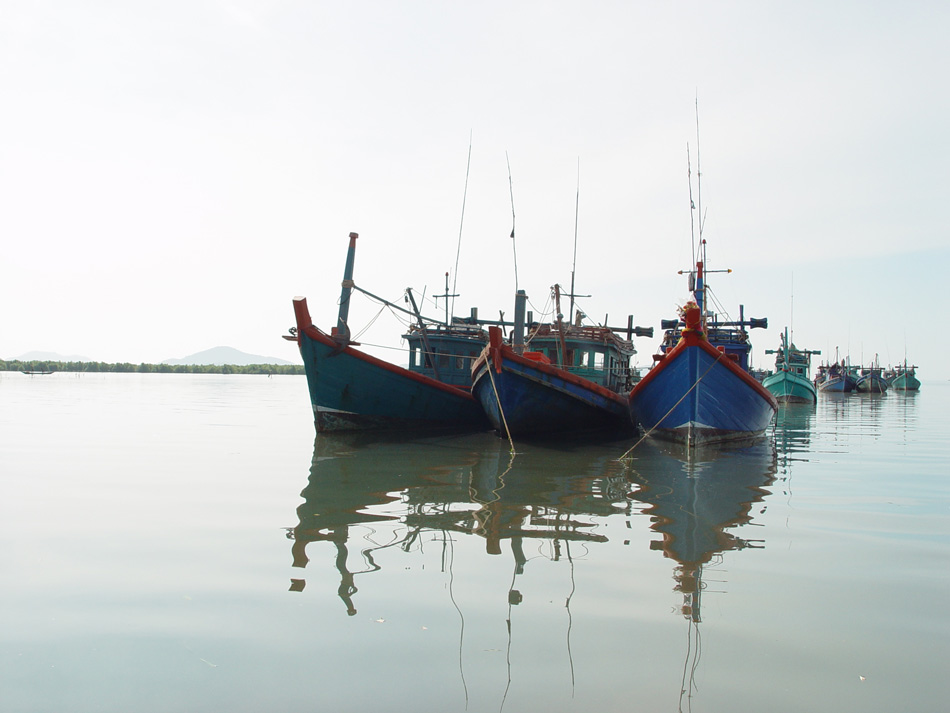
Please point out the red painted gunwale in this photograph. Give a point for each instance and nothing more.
(305, 325)
(692, 338)
(498, 351)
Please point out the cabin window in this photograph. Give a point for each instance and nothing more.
(444, 360)
(460, 362)
(598, 360)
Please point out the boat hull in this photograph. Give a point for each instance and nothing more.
(522, 397)
(905, 382)
(351, 390)
(790, 388)
(697, 395)
(871, 384)
(837, 384)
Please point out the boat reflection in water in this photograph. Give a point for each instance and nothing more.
(694, 499)
(793, 435)
(548, 500)
(463, 484)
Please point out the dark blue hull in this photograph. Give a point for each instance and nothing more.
(522, 397)
(696, 395)
(351, 390)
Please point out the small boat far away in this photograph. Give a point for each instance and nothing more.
(567, 379)
(791, 381)
(353, 390)
(700, 389)
(903, 378)
(870, 380)
(835, 378)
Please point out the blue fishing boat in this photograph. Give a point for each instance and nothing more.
(835, 378)
(700, 389)
(791, 381)
(353, 390)
(569, 379)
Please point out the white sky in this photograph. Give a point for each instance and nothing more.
(173, 173)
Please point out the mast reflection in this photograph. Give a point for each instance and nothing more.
(694, 499)
(463, 484)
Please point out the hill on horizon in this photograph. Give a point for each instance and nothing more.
(50, 356)
(219, 356)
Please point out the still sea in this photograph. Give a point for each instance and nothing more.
(185, 543)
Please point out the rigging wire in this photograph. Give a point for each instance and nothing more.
(461, 615)
(458, 250)
(577, 209)
(570, 618)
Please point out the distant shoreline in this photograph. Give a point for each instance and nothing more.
(43, 366)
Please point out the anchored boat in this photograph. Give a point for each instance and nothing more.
(568, 379)
(870, 380)
(791, 383)
(700, 389)
(353, 390)
(903, 378)
(835, 378)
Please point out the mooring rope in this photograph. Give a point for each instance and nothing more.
(501, 411)
(644, 436)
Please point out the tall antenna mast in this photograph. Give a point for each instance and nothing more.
(791, 311)
(692, 206)
(514, 252)
(577, 205)
(458, 251)
(699, 178)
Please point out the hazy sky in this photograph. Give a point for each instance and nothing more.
(172, 174)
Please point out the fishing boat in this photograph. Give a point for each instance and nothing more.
(567, 379)
(835, 378)
(791, 381)
(353, 390)
(870, 380)
(903, 378)
(700, 389)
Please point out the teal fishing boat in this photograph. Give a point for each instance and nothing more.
(352, 390)
(870, 379)
(903, 378)
(791, 381)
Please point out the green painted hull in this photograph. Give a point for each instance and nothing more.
(790, 388)
(905, 382)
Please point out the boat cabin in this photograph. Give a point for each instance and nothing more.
(445, 354)
(594, 353)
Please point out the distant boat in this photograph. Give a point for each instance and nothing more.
(36, 372)
(835, 378)
(870, 380)
(791, 381)
(700, 389)
(903, 378)
(573, 378)
(352, 390)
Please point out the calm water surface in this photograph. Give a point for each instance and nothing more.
(184, 543)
